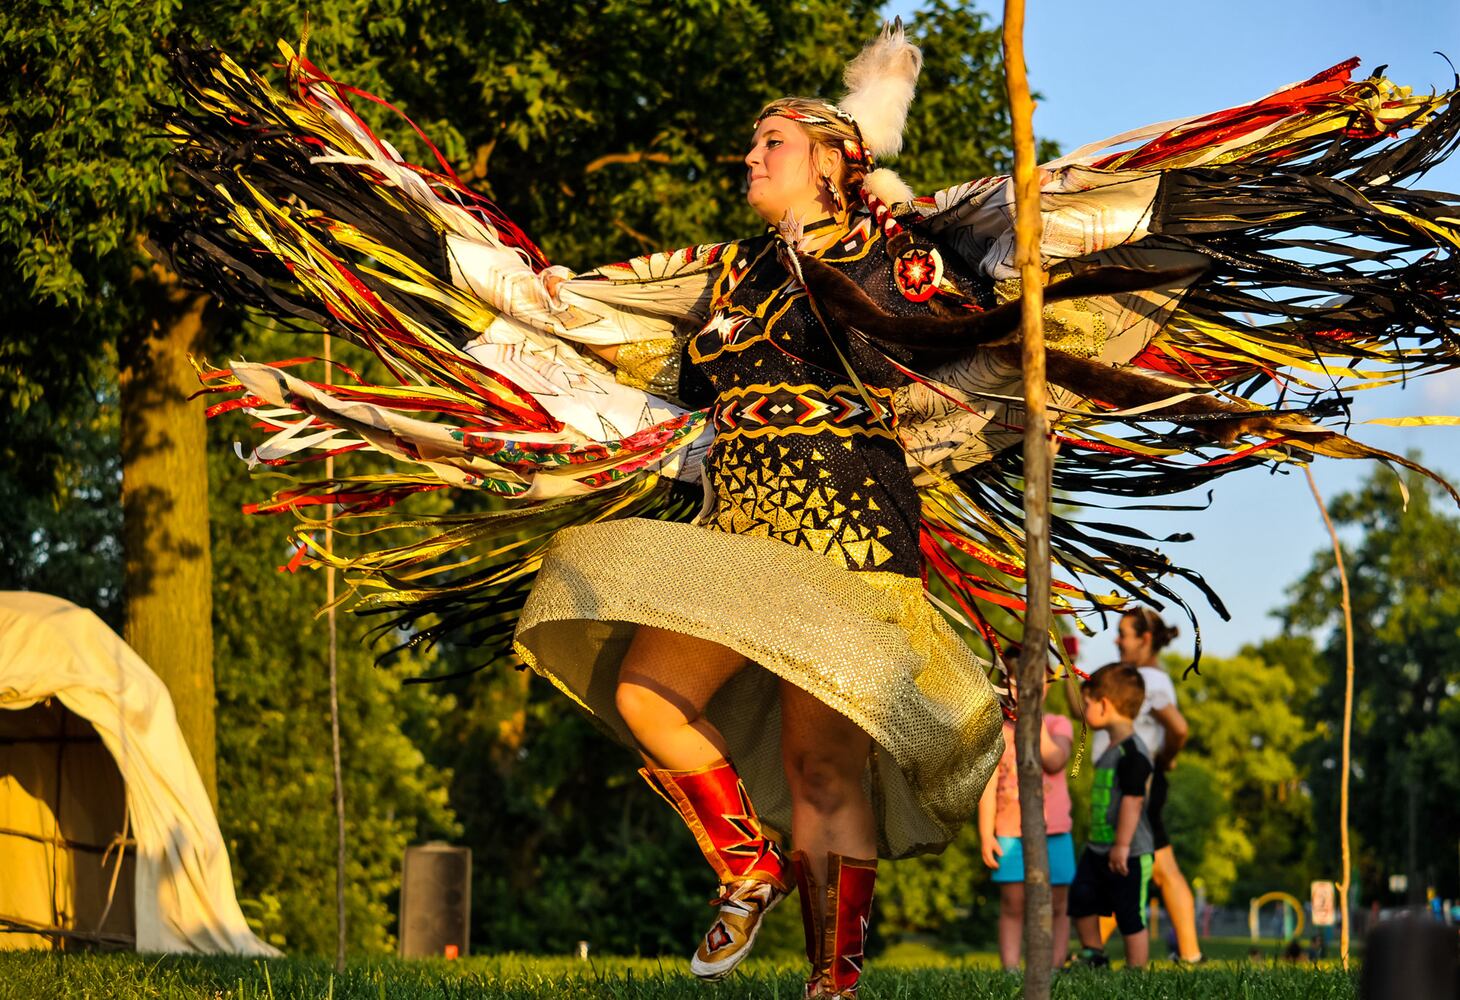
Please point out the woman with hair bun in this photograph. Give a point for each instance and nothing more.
(1162, 727)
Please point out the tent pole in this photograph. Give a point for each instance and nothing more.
(1348, 719)
(1034, 660)
(329, 540)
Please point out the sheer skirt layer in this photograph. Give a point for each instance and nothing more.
(869, 645)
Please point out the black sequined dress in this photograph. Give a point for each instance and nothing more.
(801, 453)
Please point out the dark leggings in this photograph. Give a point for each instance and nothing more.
(1155, 807)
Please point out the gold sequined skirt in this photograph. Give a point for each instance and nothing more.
(868, 645)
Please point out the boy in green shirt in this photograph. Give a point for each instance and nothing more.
(1114, 874)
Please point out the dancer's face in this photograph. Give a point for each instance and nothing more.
(785, 169)
(1135, 650)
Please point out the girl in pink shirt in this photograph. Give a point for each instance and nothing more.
(999, 832)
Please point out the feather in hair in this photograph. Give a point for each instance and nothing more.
(880, 85)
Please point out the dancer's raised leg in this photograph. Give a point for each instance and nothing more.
(665, 683)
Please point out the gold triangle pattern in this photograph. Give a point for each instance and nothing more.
(766, 495)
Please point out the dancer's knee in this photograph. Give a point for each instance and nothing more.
(824, 782)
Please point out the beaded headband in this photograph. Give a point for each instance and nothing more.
(855, 150)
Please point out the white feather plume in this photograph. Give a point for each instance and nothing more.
(887, 187)
(880, 85)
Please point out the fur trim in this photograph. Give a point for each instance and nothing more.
(887, 187)
(941, 339)
(880, 86)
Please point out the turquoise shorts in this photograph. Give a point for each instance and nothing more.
(1061, 860)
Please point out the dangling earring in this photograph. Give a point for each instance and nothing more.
(837, 204)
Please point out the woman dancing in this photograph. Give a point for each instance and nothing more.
(813, 519)
(737, 477)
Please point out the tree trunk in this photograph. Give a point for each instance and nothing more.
(168, 566)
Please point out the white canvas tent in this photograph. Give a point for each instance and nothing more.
(107, 836)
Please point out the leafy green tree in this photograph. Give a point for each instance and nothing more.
(1238, 810)
(82, 179)
(949, 895)
(62, 493)
(1290, 837)
(1210, 846)
(958, 127)
(1405, 589)
(78, 172)
(109, 484)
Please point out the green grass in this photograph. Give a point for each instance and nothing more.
(902, 974)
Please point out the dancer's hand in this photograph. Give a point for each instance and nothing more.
(991, 851)
(1119, 857)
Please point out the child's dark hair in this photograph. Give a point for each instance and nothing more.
(1147, 622)
(1123, 685)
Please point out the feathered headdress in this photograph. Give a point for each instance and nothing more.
(881, 82)
(880, 85)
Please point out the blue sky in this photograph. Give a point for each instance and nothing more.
(1105, 68)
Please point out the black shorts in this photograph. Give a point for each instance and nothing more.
(1155, 804)
(1099, 892)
